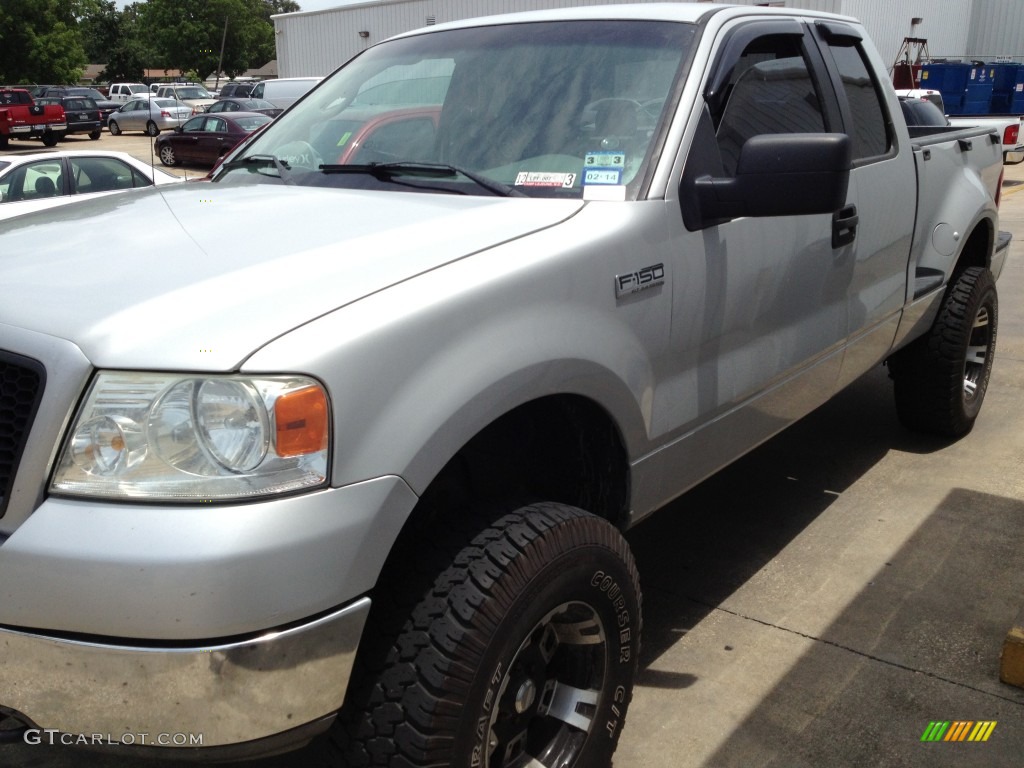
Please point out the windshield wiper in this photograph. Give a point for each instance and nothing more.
(281, 166)
(387, 171)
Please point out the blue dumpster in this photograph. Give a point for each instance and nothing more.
(950, 79)
(1003, 87)
(978, 93)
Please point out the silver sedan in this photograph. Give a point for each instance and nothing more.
(149, 116)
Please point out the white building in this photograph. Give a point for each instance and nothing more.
(317, 42)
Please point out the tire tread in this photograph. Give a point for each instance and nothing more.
(397, 703)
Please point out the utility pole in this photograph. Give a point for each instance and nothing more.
(220, 61)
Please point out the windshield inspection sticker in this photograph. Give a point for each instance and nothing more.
(603, 168)
(537, 179)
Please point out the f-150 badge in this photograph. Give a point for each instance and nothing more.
(641, 280)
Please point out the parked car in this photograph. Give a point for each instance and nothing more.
(236, 90)
(921, 111)
(149, 115)
(22, 118)
(262, 106)
(205, 138)
(195, 96)
(284, 91)
(105, 105)
(83, 116)
(124, 92)
(1008, 127)
(375, 135)
(32, 181)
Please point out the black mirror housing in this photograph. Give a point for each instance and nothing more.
(783, 174)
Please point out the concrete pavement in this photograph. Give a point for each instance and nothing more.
(822, 601)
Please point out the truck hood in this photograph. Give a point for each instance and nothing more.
(198, 276)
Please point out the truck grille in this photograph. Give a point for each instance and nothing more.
(21, 388)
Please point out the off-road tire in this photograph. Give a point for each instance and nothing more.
(167, 156)
(522, 637)
(152, 129)
(941, 378)
(114, 128)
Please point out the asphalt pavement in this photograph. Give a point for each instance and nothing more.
(823, 601)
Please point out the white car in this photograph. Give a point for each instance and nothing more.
(32, 181)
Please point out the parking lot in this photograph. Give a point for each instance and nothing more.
(136, 144)
(825, 598)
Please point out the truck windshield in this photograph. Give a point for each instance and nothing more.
(552, 109)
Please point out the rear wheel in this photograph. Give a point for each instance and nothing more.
(941, 378)
(167, 156)
(95, 135)
(152, 129)
(50, 139)
(114, 128)
(522, 651)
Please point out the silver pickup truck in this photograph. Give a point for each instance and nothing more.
(358, 472)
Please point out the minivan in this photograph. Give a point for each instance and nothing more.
(284, 91)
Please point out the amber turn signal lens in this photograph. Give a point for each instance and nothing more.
(301, 418)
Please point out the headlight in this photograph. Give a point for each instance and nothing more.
(168, 437)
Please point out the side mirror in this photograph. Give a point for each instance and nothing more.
(782, 174)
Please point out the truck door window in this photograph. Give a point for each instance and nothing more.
(869, 129)
(770, 90)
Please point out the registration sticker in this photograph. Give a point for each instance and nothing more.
(603, 168)
(540, 179)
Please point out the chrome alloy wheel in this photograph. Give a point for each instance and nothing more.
(978, 348)
(551, 691)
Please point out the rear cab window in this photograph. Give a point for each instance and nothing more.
(860, 95)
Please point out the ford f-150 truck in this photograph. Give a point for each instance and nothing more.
(22, 118)
(358, 473)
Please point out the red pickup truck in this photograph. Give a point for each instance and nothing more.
(22, 118)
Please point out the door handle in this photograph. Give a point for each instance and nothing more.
(844, 226)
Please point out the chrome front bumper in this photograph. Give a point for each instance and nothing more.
(182, 697)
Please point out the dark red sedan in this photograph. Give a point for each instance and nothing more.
(205, 138)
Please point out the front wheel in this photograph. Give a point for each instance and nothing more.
(521, 652)
(167, 156)
(152, 129)
(114, 128)
(941, 378)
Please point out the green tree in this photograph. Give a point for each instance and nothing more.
(119, 42)
(40, 41)
(100, 26)
(187, 34)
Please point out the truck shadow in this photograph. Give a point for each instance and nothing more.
(698, 549)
